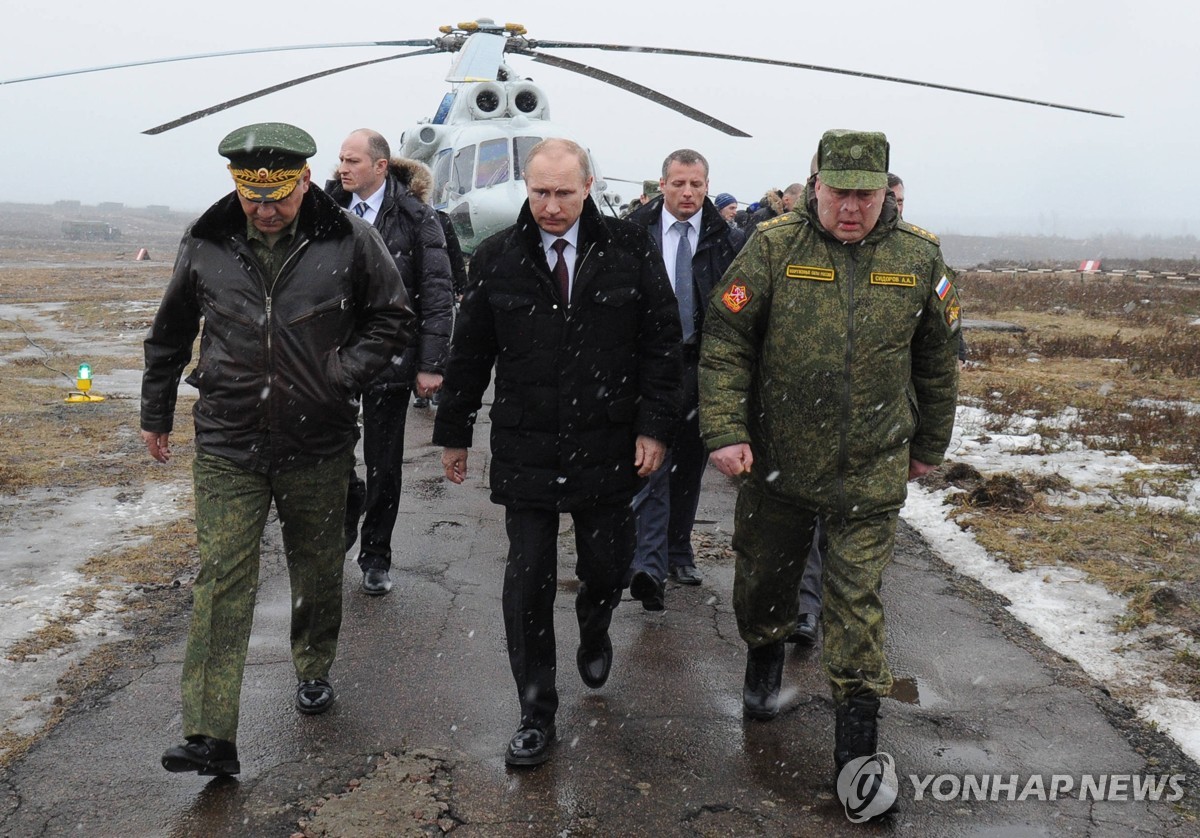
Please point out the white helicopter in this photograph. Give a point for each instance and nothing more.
(477, 141)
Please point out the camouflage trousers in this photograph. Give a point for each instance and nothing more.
(771, 540)
(231, 511)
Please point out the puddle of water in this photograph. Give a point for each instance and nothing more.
(45, 538)
(914, 691)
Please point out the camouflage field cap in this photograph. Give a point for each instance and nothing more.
(853, 159)
(267, 159)
(650, 188)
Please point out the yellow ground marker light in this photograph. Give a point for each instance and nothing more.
(83, 384)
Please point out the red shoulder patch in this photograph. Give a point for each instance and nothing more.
(736, 298)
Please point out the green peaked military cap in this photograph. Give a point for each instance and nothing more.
(650, 188)
(853, 159)
(267, 159)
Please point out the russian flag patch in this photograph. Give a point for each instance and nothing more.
(943, 288)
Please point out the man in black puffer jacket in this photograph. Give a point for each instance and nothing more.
(377, 189)
(573, 310)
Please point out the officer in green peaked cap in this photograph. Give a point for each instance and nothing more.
(853, 159)
(267, 159)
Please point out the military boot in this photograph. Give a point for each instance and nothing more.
(764, 674)
(857, 731)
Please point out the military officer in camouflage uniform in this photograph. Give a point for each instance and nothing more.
(828, 379)
(302, 306)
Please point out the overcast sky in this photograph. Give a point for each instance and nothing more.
(972, 165)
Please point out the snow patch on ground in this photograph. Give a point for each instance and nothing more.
(1073, 616)
(45, 538)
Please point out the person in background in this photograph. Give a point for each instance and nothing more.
(377, 189)
(727, 206)
(695, 246)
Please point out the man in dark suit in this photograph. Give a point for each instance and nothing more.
(695, 245)
(576, 315)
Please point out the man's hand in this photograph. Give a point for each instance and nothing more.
(650, 455)
(917, 469)
(428, 383)
(733, 460)
(454, 463)
(157, 445)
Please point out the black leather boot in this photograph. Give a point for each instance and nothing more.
(857, 730)
(764, 675)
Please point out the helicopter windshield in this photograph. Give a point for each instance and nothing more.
(441, 177)
(522, 145)
(460, 175)
(493, 163)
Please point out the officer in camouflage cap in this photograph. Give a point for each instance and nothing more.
(827, 380)
(302, 305)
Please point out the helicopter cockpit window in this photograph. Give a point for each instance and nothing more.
(464, 166)
(441, 178)
(493, 162)
(522, 145)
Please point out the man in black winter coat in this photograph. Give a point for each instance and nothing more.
(665, 508)
(575, 313)
(375, 188)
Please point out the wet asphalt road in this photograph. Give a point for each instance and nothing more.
(661, 749)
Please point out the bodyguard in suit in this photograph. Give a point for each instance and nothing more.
(575, 313)
(695, 245)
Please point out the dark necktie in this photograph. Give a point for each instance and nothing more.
(683, 280)
(360, 209)
(560, 271)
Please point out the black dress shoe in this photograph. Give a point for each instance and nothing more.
(376, 581)
(313, 697)
(649, 590)
(686, 575)
(529, 746)
(764, 676)
(805, 632)
(206, 756)
(594, 662)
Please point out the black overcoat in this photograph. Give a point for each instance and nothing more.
(574, 387)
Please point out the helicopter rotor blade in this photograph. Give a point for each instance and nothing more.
(195, 115)
(532, 44)
(635, 88)
(420, 42)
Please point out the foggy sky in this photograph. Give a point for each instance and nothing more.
(972, 165)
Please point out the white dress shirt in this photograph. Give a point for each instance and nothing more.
(374, 202)
(670, 239)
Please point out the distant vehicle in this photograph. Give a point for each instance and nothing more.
(90, 231)
(477, 141)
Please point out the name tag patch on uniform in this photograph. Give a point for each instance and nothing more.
(899, 280)
(943, 287)
(736, 298)
(810, 272)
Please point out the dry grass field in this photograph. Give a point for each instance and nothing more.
(62, 304)
(1112, 363)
